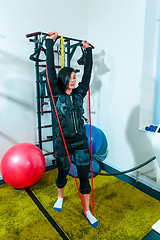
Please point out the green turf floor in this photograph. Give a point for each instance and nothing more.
(123, 211)
(20, 218)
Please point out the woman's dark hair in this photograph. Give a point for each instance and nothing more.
(64, 76)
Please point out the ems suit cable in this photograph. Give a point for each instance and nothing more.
(91, 148)
(126, 171)
(64, 140)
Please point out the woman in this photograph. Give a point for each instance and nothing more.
(69, 105)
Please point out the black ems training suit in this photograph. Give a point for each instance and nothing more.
(70, 112)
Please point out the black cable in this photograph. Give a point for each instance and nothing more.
(126, 171)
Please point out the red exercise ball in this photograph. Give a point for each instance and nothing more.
(22, 165)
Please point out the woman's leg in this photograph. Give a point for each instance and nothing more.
(86, 198)
(59, 203)
(63, 169)
(85, 191)
(60, 182)
(60, 192)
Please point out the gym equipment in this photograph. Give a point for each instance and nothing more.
(99, 141)
(22, 165)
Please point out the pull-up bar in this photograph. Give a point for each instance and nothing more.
(45, 34)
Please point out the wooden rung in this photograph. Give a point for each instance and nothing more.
(46, 126)
(47, 140)
(50, 153)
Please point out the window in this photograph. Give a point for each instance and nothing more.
(150, 87)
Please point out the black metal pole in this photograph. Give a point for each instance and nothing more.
(38, 98)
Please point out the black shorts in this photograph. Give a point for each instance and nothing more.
(79, 151)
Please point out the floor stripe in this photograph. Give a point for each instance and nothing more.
(46, 214)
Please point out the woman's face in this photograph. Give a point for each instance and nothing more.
(72, 81)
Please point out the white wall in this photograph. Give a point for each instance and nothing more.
(116, 28)
(17, 73)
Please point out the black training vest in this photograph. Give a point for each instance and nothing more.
(70, 111)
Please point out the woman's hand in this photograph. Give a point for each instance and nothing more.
(52, 35)
(85, 44)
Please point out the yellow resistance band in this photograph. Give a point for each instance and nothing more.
(62, 52)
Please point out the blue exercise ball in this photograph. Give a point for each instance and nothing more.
(97, 139)
(103, 151)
